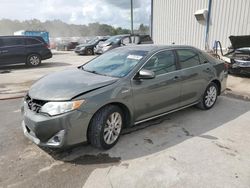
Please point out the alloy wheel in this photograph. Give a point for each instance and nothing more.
(34, 60)
(112, 128)
(211, 96)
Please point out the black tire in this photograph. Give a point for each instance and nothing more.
(203, 104)
(33, 60)
(89, 51)
(97, 124)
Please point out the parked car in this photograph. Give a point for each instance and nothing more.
(66, 46)
(23, 49)
(239, 55)
(88, 48)
(121, 88)
(121, 40)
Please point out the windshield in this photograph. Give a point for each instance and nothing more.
(113, 39)
(116, 63)
(93, 41)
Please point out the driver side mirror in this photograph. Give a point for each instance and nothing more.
(145, 74)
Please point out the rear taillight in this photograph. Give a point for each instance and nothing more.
(47, 46)
(226, 66)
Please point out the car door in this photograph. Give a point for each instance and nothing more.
(194, 75)
(13, 50)
(1, 52)
(160, 94)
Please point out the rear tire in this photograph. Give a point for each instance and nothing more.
(89, 51)
(209, 97)
(105, 127)
(33, 60)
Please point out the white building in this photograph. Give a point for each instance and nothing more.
(174, 21)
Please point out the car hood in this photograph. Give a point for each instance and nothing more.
(68, 84)
(240, 41)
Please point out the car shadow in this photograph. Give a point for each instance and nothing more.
(157, 135)
(9, 68)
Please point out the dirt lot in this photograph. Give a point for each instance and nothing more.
(189, 148)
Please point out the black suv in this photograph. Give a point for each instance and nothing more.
(23, 49)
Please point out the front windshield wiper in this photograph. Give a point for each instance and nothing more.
(94, 72)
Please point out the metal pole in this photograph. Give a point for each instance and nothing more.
(132, 19)
(207, 25)
(151, 20)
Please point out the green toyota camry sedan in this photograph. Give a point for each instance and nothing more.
(121, 88)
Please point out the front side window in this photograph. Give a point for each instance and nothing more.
(161, 63)
(188, 58)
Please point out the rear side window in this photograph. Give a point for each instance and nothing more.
(32, 41)
(188, 58)
(203, 59)
(12, 41)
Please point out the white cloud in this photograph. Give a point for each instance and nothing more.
(113, 12)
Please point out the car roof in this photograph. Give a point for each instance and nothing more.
(18, 36)
(24, 36)
(154, 47)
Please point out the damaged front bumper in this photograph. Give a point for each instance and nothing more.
(238, 66)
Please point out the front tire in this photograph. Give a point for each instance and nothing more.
(209, 97)
(105, 127)
(33, 60)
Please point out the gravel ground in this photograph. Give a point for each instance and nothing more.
(189, 148)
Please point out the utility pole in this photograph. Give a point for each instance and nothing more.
(132, 19)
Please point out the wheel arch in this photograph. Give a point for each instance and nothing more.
(217, 82)
(126, 112)
(35, 53)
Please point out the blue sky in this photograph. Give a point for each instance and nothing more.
(113, 12)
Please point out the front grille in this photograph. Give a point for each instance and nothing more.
(34, 104)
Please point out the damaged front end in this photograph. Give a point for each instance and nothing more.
(239, 55)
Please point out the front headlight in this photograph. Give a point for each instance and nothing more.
(56, 108)
(82, 48)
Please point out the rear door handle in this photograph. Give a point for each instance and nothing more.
(176, 78)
